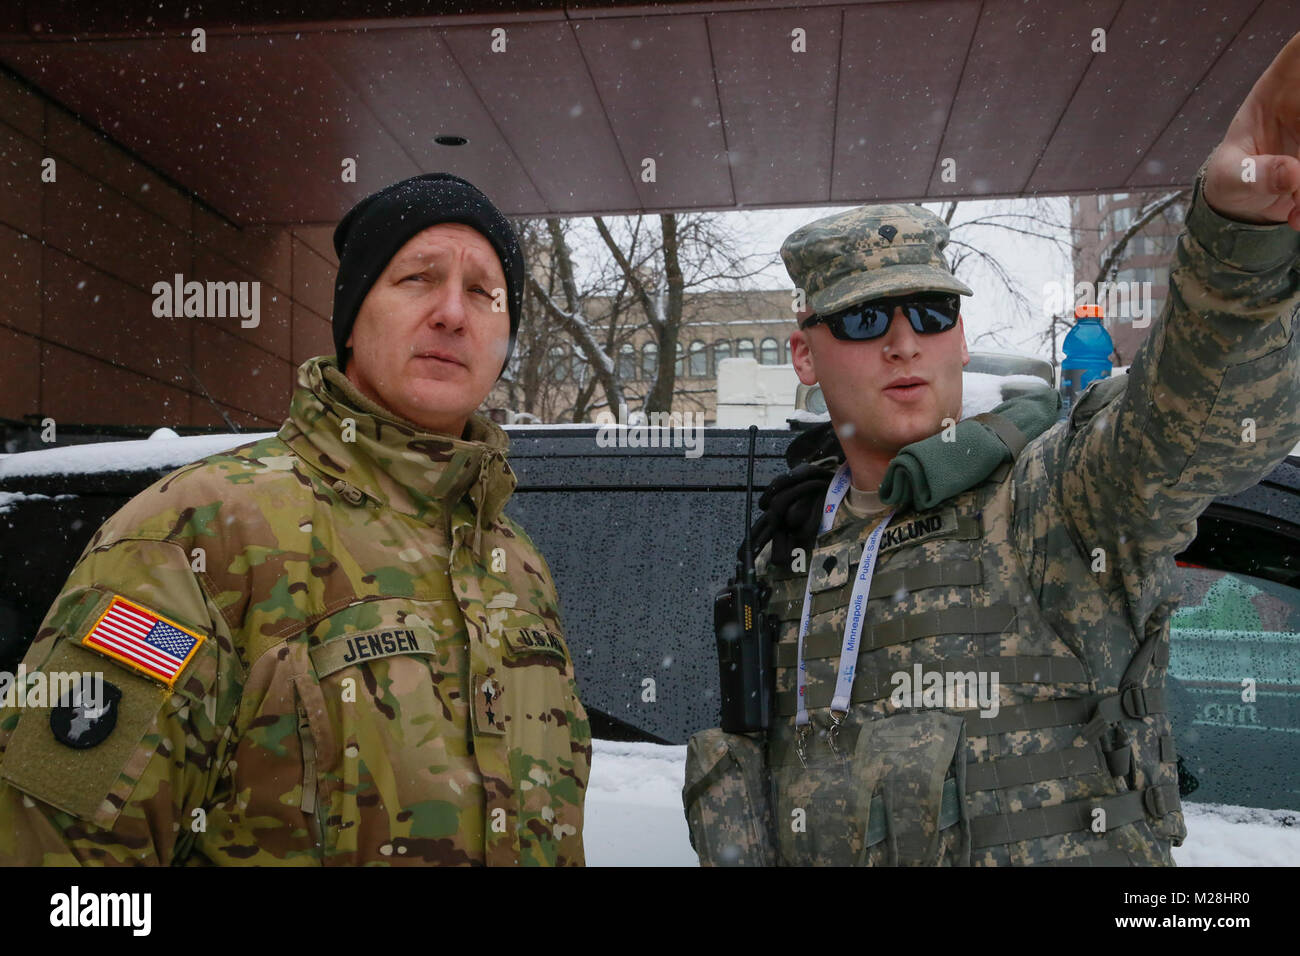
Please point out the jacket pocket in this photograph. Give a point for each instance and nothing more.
(726, 800)
(910, 788)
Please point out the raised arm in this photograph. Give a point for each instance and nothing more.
(1213, 395)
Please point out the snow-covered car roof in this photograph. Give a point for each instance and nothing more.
(165, 449)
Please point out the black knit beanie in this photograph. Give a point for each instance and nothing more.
(374, 229)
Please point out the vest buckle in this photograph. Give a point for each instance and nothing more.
(1133, 702)
(1153, 800)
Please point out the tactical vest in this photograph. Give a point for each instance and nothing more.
(1073, 768)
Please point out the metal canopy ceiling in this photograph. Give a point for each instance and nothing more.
(560, 123)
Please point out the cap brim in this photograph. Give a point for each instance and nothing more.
(889, 281)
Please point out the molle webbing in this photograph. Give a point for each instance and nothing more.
(876, 682)
(913, 627)
(788, 605)
(1031, 768)
(1038, 822)
(1091, 713)
(1134, 704)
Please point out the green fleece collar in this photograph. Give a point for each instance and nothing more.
(394, 461)
(932, 470)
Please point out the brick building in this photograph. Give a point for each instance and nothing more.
(716, 326)
(1098, 222)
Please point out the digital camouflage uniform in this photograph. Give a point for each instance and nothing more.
(1057, 573)
(382, 676)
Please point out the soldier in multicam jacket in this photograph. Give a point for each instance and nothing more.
(329, 646)
(1025, 558)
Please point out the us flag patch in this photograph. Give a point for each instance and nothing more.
(143, 640)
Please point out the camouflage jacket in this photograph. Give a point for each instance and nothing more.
(374, 669)
(1055, 577)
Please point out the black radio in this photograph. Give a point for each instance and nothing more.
(745, 634)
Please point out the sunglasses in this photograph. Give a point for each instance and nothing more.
(928, 312)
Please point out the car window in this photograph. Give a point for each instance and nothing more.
(1234, 675)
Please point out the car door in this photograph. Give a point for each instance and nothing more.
(1234, 674)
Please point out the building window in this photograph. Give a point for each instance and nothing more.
(650, 360)
(745, 348)
(1137, 275)
(769, 352)
(721, 350)
(627, 361)
(681, 361)
(559, 359)
(699, 360)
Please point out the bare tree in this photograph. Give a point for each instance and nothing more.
(640, 279)
(967, 255)
(533, 382)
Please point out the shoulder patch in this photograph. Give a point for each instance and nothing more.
(144, 641)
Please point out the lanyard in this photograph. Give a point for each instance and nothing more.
(857, 602)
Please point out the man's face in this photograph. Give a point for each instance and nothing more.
(886, 392)
(427, 343)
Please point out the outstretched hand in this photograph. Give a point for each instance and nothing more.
(1254, 173)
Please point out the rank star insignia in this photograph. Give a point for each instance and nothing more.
(85, 718)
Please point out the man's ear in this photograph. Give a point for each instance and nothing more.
(801, 357)
(965, 352)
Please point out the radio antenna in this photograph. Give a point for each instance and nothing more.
(749, 509)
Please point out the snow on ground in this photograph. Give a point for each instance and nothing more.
(634, 806)
(634, 817)
(1220, 835)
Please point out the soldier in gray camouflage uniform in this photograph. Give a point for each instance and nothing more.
(1025, 558)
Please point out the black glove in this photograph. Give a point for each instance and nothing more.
(792, 511)
(814, 446)
(792, 503)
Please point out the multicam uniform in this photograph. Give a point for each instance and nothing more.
(1057, 574)
(374, 668)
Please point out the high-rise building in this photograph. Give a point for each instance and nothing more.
(1099, 222)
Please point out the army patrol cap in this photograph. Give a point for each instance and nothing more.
(868, 253)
